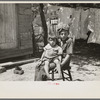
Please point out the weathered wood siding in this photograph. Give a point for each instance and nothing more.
(15, 30)
(7, 26)
(24, 25)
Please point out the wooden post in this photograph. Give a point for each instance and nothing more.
(43, 23)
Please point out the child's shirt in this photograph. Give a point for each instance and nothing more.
(51, 52)
(67, 45)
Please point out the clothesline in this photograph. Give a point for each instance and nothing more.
(84, 21)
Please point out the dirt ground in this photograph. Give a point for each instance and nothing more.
(85, 65)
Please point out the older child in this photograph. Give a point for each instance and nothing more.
(52, 53)
(66, 43)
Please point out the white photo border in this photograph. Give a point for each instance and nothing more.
(46, 90)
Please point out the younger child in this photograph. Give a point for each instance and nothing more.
(52, 53)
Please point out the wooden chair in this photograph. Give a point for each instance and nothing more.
(65, 66)
(65, 70)
(40, 74)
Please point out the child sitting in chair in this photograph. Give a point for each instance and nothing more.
(66, 43)
(52, 53)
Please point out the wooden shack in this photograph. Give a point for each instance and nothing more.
(15, 30)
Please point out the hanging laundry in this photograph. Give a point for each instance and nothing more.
(84, 25)
(52, 15)
(91, 26)
(97, 26)
(65, 17)
(65, 14)
(75, 27)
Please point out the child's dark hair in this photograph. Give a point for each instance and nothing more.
(62, 29)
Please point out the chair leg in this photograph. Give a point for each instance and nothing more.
(63, 75)
(52, 75)
(70, 76)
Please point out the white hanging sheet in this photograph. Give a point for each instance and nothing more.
(92, 26)
(84, 25)
(75, 27)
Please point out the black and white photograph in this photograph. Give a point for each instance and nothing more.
(53, 45)
(49, 42)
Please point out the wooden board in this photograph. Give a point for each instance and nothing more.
(15, 30)
(15, 53)
(25, 25)
(8, 26)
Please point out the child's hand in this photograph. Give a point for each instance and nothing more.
(39, 62)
